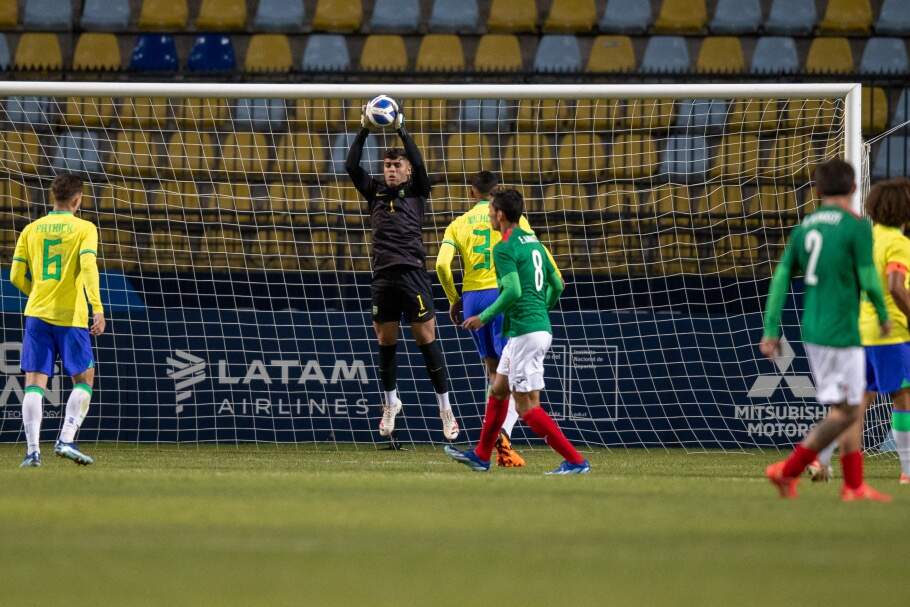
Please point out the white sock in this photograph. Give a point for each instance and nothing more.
(32, 411)
(76, 410)
(443, 401)
(511, 417)
(391, 396)
(824, 456)
(899, 419)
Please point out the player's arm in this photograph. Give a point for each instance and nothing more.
(555, 284)
(509, 289)
(359, 177)
(869, 280)
(444, 260)
(88, 266)
(420, 180)
(19, 271)
(780, 285)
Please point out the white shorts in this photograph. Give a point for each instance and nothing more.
(522, 361)
(839, 374)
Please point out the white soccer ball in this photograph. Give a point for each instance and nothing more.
(381, 111)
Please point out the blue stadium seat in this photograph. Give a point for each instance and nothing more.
(902, 108)
(684, 157)
(4, 53)
(736, 17)
(558, 53)
(106, 15)
(666, 54)
(484, 115)
(154, 53)
(626, 17)
(775, 55)
(894, 19)
(371, 153)
(29, 112)
(701, 114)
(279, 16)
(212, 53)
(459, 16)
(892, 158)
(884, 56)
(326, 53)
(48, 15)
(792, 17)
(260, 114)
(78, 152)
(399, 16)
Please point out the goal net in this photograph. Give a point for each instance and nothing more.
(235, 254)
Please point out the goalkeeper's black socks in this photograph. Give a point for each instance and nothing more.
(436, 366)
(388, 369)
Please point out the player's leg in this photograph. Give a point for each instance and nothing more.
(506, 455)
(386, 316)
(39, 353)
(75, 349)
(900, 428)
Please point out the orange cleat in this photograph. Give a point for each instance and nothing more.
(863, 492)
(904, 479)
(786, 485)
(506, 456)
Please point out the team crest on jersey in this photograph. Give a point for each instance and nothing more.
(401, 193)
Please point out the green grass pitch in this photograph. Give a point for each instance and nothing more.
(318, 526)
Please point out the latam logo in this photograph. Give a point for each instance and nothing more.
(766, 385)
(186, 370)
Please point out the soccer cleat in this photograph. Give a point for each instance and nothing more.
(506, 456)
(820, 473)
(468, 458)
(863, 492)
(904, 479)
(32, 460)
(449, 424)
(568, 467)
(785, 485)
(71, 452)
(387, 423)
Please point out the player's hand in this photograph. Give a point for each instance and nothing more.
(399, 119)
(364, 123)
(98, 324)
(472, 324)
(455, 312)
(886, 328)
(769, 346)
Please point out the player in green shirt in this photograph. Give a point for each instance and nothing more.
(832, 248)
(529, 287)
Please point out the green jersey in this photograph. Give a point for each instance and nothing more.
(832, 248)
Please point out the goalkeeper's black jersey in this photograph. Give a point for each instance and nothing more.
(396, 214)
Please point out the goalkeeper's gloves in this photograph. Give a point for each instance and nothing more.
(364, 123)
(399, 119)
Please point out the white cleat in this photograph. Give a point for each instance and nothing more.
(449, 424)
(387, 423)
(819, 473)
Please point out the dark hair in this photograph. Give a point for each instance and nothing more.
(510, 202)
(485, 182)
(394, 154)
(888, 202)
(834, 178)
(65, 187)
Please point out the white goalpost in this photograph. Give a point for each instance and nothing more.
(235, 253)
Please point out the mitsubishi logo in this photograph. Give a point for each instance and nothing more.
(186, 370)
(800, 385)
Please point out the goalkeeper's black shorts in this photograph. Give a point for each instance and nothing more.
(402, 291)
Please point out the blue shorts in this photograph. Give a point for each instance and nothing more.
(887, 368)
(489, 338)
(43, 342)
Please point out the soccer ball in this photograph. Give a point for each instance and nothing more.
(381, 111)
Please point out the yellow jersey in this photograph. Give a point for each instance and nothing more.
(55, 265)
(890, 249)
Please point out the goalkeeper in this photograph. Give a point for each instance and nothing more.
(400, 286)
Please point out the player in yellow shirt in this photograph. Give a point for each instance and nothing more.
(55, 265)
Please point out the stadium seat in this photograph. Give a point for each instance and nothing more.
(542, 115)
(792, 17)
(279, 16)
(570, 16)
(558, 53)
(268, 53)
(894, 18)
(793, 158)
(22, 153)
(244, 155)
(191, 155)
(684, 157)
(902, 108)
(212, 53)
(665, 55)
(512, 16)
(200, 113)
(736, 157)
(341, 143)
(632, 157)
(626, 17)
(178, 199)
(847, 17)
(752, 115)
(829, 56)
(5, 58)
(884, 56)
(581, 157)
(221, 16)
(775, 55)
(154, 53)
(456, 16)
(77, 151)
(440, 53)
(301, 155)
(528, 157)
(384, 53)
(681, 16)
(97, 52)
(720, 54)
(701, 115)
(48, 15)
(597, 114)
(647, 114)
(875, 110)
(88, 112)
(892, 158)
(38, 52)
(233, 203)
(319, 115)
(29, 113)
(267, 115)
(133, 155)
(736, 17)
(395, 16)
(9, 14)
(148, 113)
(163, 15)
(611, 54)
(106, 15)
(338, 16)
(326, 53)
(498, 53)
(430, 115)
(466, 154)
(484, 115)
(288, 202)
(811, 114)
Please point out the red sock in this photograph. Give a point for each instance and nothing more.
(852, 463)
(544, 426)
(493, 419)
(798, 460)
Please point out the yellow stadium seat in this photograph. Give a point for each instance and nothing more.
(875, 110)
(268, 53)
(581, 157)
(88, 111)
(245, 155)
(720, 54)
(9, 14)
(793, 159)
(301, 156)
(148, 113)
(543, 115)
(466, 154)
(97, 52)
(681, 16)
(735, 157)
(320, 115)
(234, 204)
(355, 253)
(611, 54)
(753, 115)
(647, 114)
(191, 154)
(117, 249)
(632, 157)
(432, 148)
(384, 53)
(163, 15)
(222, 248)
(512, 16)
(338, 16)
(440, 53)
(14, 195)
(427, 114)
(179, 200)
(847, 17)
(829, 56)
(597, 114)
(571, 16)
(200, 113)
(22, 152)
(38, 52)
(498, 53)
(777, 204)
(133, 155)
(221, 15)
(570, 198)
(124, 198)
(724, 205)
(812, 115)
(289, 204)
(676, 253)
(527, 157)
(668, 205)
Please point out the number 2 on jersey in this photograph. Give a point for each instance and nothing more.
(49, 261)
(813, 245)
(483, 248)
